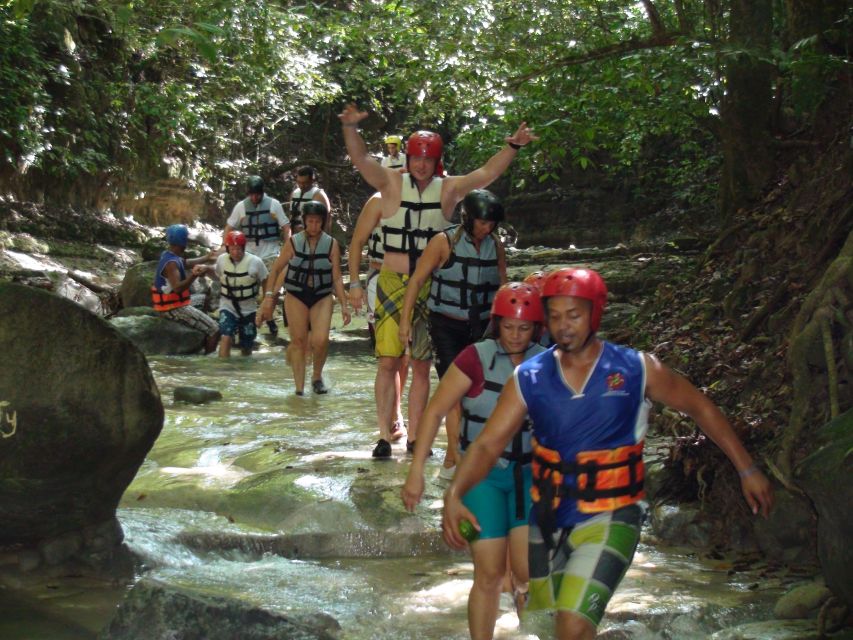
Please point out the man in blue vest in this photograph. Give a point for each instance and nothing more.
(588, 401)
(415, 206)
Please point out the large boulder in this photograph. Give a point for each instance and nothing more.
(136, 287)
(155, 335)
(80, 411)
(156, 610)
(826, 476)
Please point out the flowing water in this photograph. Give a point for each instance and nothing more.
(274, 499)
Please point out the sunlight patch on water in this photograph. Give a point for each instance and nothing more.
(326, 486)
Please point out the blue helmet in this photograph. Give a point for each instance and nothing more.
(177, 235)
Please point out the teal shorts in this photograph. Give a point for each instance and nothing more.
(493, 501)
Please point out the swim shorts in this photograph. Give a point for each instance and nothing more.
(493, 501)
(229, 325)
(390, 290)
(587, 563)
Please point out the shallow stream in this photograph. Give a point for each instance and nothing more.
(274, 499)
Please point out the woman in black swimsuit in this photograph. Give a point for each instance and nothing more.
(309, 266)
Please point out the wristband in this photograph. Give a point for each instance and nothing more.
(515, 146)
(355, 284)
(351, 125)
(268, 294)
(745, 473)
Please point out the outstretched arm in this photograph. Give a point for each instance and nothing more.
(666, 386)
(374, 173)
(457, 187)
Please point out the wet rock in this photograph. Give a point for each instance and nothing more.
(771, 630)
(136, 287)
(128, 312)
(154, 610)
(155, 335)
(802, 601)
(196, 395)
(630, 630)
(680, 525)
(79, 411)
(827, 478)
(788, 534)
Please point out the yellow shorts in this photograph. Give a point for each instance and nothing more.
(390, 290)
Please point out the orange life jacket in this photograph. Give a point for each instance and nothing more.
(605, 480)
(168, 301)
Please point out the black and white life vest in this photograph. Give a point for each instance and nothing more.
(237, 284)
(375, 253)
(309, 269)
(258, 222)
(297, 201)
(465, 285)
(417, 220)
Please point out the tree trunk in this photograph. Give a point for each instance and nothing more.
(747, 107)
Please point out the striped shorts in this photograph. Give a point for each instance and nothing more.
(194, 319)
(586, 564)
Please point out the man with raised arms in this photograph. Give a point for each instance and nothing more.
(415, 206)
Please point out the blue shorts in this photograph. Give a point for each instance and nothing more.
(230, 325)
(493, 501)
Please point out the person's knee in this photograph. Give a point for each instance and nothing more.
(489, 578)
(299, 342)
(388, 366)
(573, 626)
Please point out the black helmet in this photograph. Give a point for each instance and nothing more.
(255, 184)
(315, 208)
(481, 205)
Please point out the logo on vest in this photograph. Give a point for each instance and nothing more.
(616, 385)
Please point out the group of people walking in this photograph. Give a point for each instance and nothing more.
(545, 420)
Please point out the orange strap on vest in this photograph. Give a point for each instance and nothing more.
(168, 301)
(605, 480)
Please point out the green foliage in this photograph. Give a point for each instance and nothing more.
(209, 90)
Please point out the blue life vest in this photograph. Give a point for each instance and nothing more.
(464, 287)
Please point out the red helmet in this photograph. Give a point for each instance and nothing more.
(536, 279)
(580, 283)
(518, 301)
(426, 144)
(235, 239)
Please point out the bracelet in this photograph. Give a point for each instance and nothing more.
(356, 284)
(352, 125)
(515, 146)
(268, 294)
(745, 473)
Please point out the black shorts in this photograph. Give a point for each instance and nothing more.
(308, 297)
(449, 336)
